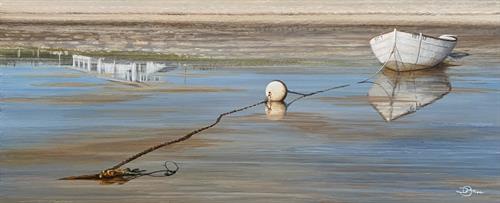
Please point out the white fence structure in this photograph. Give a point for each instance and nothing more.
(129, 71)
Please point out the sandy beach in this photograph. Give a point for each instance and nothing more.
(334, 147)
(458, 12)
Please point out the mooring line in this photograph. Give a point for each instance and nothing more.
(366, 80)
(302, 95)
(115, 171)
(185, 137)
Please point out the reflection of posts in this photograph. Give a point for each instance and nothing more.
(275, 110)
(59, 57)
(129, 71)
(89, 64)
(99, 65)
(133, 68)
(114, 69)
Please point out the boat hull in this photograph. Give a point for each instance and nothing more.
(402, 51)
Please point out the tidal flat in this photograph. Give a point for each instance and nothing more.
(332, 147)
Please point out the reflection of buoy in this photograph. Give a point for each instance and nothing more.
(276, 91)
(275, 110)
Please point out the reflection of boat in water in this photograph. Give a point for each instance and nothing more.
(395, 94)
(402, 51)
(120, 70)
(275, 110)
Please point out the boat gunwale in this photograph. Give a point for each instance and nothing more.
(425, 35)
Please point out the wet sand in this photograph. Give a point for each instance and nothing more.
(77, 99)
(67, 84)
(329, 148)
(272, 42)
(109, 93)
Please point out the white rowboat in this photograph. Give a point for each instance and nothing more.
(403, 51)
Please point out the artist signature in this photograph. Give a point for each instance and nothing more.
(467, 191)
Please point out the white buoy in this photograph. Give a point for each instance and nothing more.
(276, 91)
(275, 110)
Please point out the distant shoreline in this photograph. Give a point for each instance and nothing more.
(328, 12)
(263, 13)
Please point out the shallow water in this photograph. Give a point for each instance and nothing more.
(329, 147)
